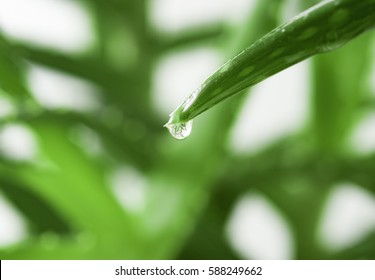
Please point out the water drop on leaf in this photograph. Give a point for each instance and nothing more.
(180, 130)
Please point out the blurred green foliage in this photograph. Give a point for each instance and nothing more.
(192, 186)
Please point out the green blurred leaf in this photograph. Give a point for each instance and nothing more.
(11, 74)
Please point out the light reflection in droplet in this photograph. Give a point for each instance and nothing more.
(180, 130)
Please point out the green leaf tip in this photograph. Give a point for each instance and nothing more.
(321, 28)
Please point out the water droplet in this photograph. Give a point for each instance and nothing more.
(180, 130)
(332, 42)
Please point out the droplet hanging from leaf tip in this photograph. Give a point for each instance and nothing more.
(180, 130)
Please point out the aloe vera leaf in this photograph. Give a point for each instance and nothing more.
(11, 76)
(167, 42)
(339, 85)
(322, 28)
